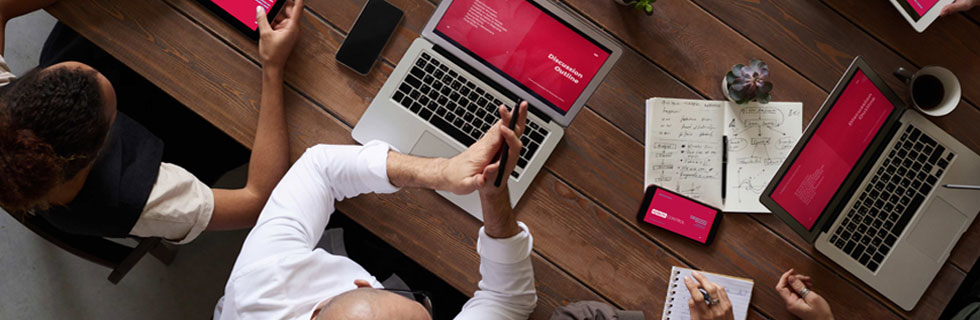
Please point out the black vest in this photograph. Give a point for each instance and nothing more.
(118, 186)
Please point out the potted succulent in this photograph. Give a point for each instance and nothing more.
(642, 5)
(748, 83)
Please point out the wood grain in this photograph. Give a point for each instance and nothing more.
(582, 207)
(221, 85)
(950, 41)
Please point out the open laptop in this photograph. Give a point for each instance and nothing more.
(865, 185)
(475, 55)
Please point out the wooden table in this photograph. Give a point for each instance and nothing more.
(581, 208)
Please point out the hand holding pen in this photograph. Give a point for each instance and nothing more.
(708, 301)
(518, 114)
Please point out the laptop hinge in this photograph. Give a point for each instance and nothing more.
(493, 84)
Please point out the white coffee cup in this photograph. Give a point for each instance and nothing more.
(950, 86)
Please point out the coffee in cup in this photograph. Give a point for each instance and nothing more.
(934, 91)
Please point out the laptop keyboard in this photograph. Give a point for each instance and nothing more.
(441, 96)
(896, 191)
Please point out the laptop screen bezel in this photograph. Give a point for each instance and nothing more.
(574, 21)
(857, 173)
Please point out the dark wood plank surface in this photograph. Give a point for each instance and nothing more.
(581, 208)
(170, 56)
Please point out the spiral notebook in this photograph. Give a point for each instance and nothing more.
(675, 307)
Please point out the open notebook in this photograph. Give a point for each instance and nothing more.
(675, 307)
(717, 151)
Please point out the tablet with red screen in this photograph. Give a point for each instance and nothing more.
(241, 13)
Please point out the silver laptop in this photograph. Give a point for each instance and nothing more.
(475, 55)
(865, 184)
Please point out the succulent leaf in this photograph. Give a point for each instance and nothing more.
(749, 82)
(737, 70)
(764, 99)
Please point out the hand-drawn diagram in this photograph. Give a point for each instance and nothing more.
(684, 148)
(759, 138)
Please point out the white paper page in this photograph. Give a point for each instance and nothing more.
(684, 147)
(675, 307)
(759, 139)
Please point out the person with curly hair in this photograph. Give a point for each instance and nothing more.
(68, 155)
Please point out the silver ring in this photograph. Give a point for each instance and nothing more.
(713, 301)
(804, 292)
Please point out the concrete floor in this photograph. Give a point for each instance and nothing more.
(40, 281)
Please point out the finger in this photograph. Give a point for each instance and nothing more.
(262, 20)
(798, 287)
(708, 286)
(693, 288)
(471, 183)
(504, 115)
(788, 296)
(491, 170)
(723, 296)
(297, 9)
(514, 146)
(521, 118)
(696, 303)
(783, 279)
(955, 7)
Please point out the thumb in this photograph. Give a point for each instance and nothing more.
(261, 19)
(955, 7)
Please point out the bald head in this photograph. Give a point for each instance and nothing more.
(371, 304)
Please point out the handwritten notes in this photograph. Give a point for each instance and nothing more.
(685, 149)
(739, 292)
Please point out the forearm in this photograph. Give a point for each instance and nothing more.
(502, 224)
(236, 209)
(270, 150)
(405, 171)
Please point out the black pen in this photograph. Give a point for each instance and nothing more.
(504, 150)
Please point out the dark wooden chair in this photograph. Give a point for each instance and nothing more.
(118, 257)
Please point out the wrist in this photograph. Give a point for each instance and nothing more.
(499, 220)
(502, 230)
(272, 72)
(436, 174)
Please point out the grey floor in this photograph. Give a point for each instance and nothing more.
(40, 281)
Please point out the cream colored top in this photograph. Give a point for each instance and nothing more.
(179, 207)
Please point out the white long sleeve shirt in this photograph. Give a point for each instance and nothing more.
(280, 274)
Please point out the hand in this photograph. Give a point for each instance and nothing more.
(276, 41)
(959, 5)
(476, 168)
(809, 307)
(701, 310)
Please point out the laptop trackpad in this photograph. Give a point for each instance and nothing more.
(431, 146)
(937, 229)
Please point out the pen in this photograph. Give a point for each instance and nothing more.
(961, 186)
(707, 297)
(504, 150)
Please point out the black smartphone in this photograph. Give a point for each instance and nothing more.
(679, 214)
(369, 35)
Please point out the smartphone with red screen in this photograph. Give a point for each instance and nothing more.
(679, 214)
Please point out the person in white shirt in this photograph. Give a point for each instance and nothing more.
(280, 274)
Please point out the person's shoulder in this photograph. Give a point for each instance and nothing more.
(5, 75)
